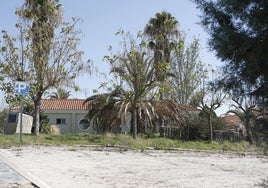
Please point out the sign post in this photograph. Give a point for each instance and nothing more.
(21, 88)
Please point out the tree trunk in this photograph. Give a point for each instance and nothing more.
(36, 123)
(134, 121)
(249, 132)
(210, 127)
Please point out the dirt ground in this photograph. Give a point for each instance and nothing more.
(105, 167)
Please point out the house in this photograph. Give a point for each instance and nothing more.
(191, 110)
(67, 114)
(234, 122)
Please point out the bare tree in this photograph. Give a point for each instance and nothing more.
(210, 97)
(246, 107)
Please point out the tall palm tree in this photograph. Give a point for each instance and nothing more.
(161, 31)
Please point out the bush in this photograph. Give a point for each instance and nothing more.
(199, 129)
(50, 129)
(3, 116)
(261, 130)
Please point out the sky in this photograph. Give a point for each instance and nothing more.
(101, 19)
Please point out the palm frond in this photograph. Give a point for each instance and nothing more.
(108, 110)
(167, 109)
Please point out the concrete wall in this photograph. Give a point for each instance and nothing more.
(13, 125)
(72, 119)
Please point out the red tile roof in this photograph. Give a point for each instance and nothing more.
(188, 108)
(63, 104)
(77, 104)
(231, 120)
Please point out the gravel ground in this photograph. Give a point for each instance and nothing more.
(106, 167)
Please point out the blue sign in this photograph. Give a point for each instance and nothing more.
(22, 88)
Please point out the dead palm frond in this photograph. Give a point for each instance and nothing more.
(167, 109)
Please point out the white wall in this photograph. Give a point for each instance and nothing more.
(72, 119)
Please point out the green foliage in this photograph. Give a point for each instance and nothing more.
(209, 98)
(110, 110)
(182, 71)
(238, 34)
(45, 54)
(135, 71)
(245, 108)
(204, 111)
(28, 108)
(60, 94)
(261, 130)
(199, 129)
(142, 75)
(187, 70)
(3, 117)
(133, 67)
(161, 32)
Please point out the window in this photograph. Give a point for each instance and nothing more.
(60, 121)
(83, 125)
(12, 118)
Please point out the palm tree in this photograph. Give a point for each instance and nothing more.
(161, 31)
(110, 109)
(134, 66)
(60, 94)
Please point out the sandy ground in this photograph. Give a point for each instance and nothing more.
(77, 167)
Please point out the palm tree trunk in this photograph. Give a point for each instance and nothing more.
(134, 121)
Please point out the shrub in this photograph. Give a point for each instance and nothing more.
(3, 116)
(50, 129)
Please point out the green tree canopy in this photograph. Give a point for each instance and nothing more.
(45, 54)
(60, 94)
(161, 32)
(181, 70)
(239, 35)
(133, 69)
(187, 71)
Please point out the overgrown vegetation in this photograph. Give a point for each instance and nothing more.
(238, 35)
(121, 140)
(3, 116)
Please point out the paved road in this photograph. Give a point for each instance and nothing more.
(10, 178)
